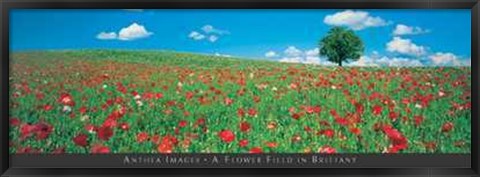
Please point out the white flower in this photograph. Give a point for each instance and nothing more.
(179, 84)
(418, 106)
(441, 93)
(105, 86)
(334, 87)
(67, 109)
(137, 97)
(274, 89)
(84, 118)
(139, 103)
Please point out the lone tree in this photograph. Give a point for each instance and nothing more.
(341, 44)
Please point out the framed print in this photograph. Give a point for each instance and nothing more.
(240, 87)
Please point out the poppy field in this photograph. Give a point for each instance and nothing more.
(113, 101)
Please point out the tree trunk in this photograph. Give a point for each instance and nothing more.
(340, 63)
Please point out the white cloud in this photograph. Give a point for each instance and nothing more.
(107, 36)
(207, 32)
(405, 46)
(294, 55)
(292, 51)
(313, 52)
(132, 32)
(356, 20)
(448, 59)
(363, 61)
(271, 54)
(377, 61)
(399, 62)
(196, 35)
(210, 29)
(213, 38)
(402, 29)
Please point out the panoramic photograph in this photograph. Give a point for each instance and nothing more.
(147, 81)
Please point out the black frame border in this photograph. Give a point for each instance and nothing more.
(6, 5)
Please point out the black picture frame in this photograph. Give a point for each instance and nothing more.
(7, 5)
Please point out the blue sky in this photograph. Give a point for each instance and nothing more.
(391, 37)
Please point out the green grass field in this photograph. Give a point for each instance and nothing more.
(107, 101)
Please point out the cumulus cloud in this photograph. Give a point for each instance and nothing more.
(210, 29)
(356, 20)
(405, 46)
(399, 62)
(402, 29)
(196, 35)
(271, 54)
(132, 32)
(383, 61)
(293, 54)
(292, 51)
(213, 38)
(208, 33)
(107, 36)
(448, 59)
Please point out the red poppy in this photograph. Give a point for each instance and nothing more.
(167, 145)
(377, 110)
(272, 144)
(245, 127)
(356, 131)
(228, 101)
(398, 141)
(43, 130)
(256, 150)
(104, 133)
(59, 150)
(226, 136)
(14, 122)
(341, 121)
(100, 149)
(81, 140)
(393, 116)
(26, 130)
(313, 109)
(90, 128)
(327, 150)
(317, 109)
(182, 123)
(82, 110)
(240, 112)
(201, 121)
(158, 95)
(189, 95)
(39, 96)
(296, 116)
(66, 99)
(47, 107)
(328, 133)
(142, 136)
(359, 108)
(418, 120)
(447, 127)
(124, 126)
(252, 112)
(243, 143)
